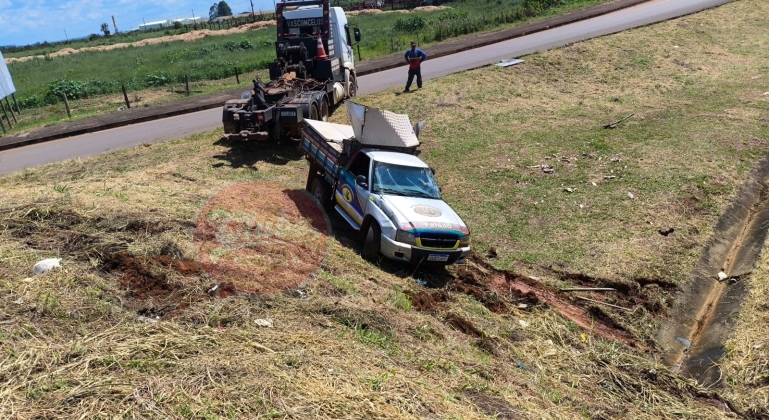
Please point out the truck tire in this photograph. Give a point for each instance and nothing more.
(353, 86)
(324, 112)
(372, 241)
(314, 114)
(321, 191)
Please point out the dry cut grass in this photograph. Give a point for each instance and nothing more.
(357, 340)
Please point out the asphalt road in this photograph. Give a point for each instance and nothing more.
(160, 130)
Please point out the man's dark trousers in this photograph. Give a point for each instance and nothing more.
(418, 73)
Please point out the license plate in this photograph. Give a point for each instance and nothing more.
(287, 114)
(437, 257)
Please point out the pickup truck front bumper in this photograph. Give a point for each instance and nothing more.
(407, 253)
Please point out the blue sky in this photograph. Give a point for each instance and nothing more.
(30, 21)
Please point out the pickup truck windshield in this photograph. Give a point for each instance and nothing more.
(404, 180)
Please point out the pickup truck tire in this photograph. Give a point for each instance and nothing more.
(321, 191)
(372, 241)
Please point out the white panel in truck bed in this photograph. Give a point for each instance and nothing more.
(377, 127)
(330, 131)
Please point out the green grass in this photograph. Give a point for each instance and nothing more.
(89, 74)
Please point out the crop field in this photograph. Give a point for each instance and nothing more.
(138, 323)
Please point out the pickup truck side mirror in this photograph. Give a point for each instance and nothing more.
(356, 32)
(361, 181)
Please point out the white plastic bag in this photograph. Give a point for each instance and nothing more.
(46, 265)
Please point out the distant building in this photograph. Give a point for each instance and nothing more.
(155, 25)
(188, 21)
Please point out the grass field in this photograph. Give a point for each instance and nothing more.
(93, 74)
(360, 340)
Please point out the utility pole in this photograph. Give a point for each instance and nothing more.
(65, 35)
(114, 23)
(252, 10)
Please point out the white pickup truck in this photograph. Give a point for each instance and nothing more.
(370, 174)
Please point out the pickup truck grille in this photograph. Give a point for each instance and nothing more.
(439, 240)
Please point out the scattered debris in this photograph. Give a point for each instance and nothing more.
(148, 320)
(666, 231)
(213, 289)
(264, 322)
(588, 289)
(722, 276)
(594, 184)
(523, 323)
(522, 306)
(260, 347)
(603, 303)
(511, 62)
(630, 195)
(684, 341)
(46, 265)
(614, 124)
(545, 168)
(19, 301)
(522, 366)
(609, 177)
(569, 189)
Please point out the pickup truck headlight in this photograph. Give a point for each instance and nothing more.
(464, 241)
(405, 237)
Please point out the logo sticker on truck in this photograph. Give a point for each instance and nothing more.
(347, 194)
(288, 113)
(427, 211)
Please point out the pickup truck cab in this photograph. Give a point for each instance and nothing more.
(383, 190)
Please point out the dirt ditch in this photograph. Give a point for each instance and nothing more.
(702, 319)
(603, 313)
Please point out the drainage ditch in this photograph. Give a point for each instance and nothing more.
(706, 307)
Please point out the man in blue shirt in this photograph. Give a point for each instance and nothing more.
(415, 58)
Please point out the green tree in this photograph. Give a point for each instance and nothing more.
(223, 9)
(105, 29)
(213, 11)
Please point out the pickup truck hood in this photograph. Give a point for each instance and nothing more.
(423, 213)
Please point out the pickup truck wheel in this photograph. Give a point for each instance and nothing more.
(372, 242)
(321, 191)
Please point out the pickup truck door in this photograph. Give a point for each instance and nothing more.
(352, 198)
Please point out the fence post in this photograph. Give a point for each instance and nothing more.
(10, 108)
(125, 96)
(2, 125)
(66, 104)
(13, 95)
(237, 76)
(6, 115)
(187, 84)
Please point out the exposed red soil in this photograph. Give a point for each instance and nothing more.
(463, 325)
(499, 291)
(148, 288)
(427, 300)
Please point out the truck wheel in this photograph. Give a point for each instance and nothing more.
(321, 191)
(324, 110)
(314, 112)
(372, 241)
(353, 87)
